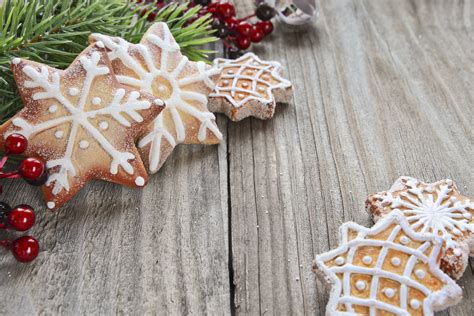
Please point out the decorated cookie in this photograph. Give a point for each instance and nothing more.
(248, 86)
(156, 65)
(386, 270)
(82, 122)
(436, 208)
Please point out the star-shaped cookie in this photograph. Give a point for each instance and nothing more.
(82, 122)
(386, 270)
(247, 87)
(156, 65)
(436, 208)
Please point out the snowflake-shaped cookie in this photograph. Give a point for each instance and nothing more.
(247, 87)
(82, 122)
(388, 269)
(156, 65)
(436, 208)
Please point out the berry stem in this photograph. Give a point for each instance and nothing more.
(5, 243)
(3, 161)
(246, 18)
(10, 175)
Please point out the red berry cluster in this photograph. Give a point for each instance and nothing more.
(22, 217)
(238, 34)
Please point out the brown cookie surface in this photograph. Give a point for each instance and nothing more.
(436, 208)
(157, 66)
(81, 122)
(247, 87)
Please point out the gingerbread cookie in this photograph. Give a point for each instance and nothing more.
(386, 270)
(248, 86)
(156, 65)
(82, 122)
(436, 208)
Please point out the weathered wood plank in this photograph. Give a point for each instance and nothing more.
(382, 89)
(114, 250)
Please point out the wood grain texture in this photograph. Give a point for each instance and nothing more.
(382, 89)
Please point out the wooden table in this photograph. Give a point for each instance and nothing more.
(382, 89)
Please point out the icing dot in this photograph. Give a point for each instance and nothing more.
(162, 89)
(58, 134)
(100, 44)
(396, 261)
(245, 84)
(457, 252)
(96, 100)
(339, 261)
(261, 89)
(103, 125)
(367, 260)
(457, 232)
(415, 304)
(51, 205)
(420, 274)
(467, 215)
(360, 285)
(83, 144)
(241, 95)
(53, 108)
(225, 82)
(405, 240)
(158, 102)
(16, 61)
(73, 91)
(389, 292)
(265, 77)
(230, 72)
(140, 181)
(134, 94)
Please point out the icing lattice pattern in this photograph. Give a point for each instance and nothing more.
(248, 78)
(435, 208)
(386, 268)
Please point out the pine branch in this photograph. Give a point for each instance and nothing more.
(55, 32)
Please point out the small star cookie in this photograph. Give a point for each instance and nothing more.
(82, 122)
(436, 208)
(157, 66)
(247, 87)
(386, 270)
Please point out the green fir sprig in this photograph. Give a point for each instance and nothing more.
(55, 32)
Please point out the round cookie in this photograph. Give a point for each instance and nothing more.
(157, 66)
(386, 270)
(81, 122)
(436, 208)
(247, 87)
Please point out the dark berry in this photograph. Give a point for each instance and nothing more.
(202, 2)
(234, 53)
(265, 12)
(25, 249)
(151, 17)
(16, 144)
(31, 168)
(242, 42)
(21, 218)
(216, 23)
(38, 182)
(265, 26)
(222, 31)
(256, 34)
(231, 23)
(244, 28)
(226, 10)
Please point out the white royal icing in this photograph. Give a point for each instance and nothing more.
(96, 101)
(50, 205)
(361, 285)
(182, 97)
(103, 125)
(140, 181)
(53, 108)
(427, 254)
(432, 208)
(78, 117)
(253, 69)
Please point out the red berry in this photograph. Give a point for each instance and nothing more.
(21, 218)
(244, 28)
(25, 249)
(31, 168)
(256, 34)
(151, 17)
(265, 26)
(231, 23)
(16, 144)
(226, 10)
(242, 42)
